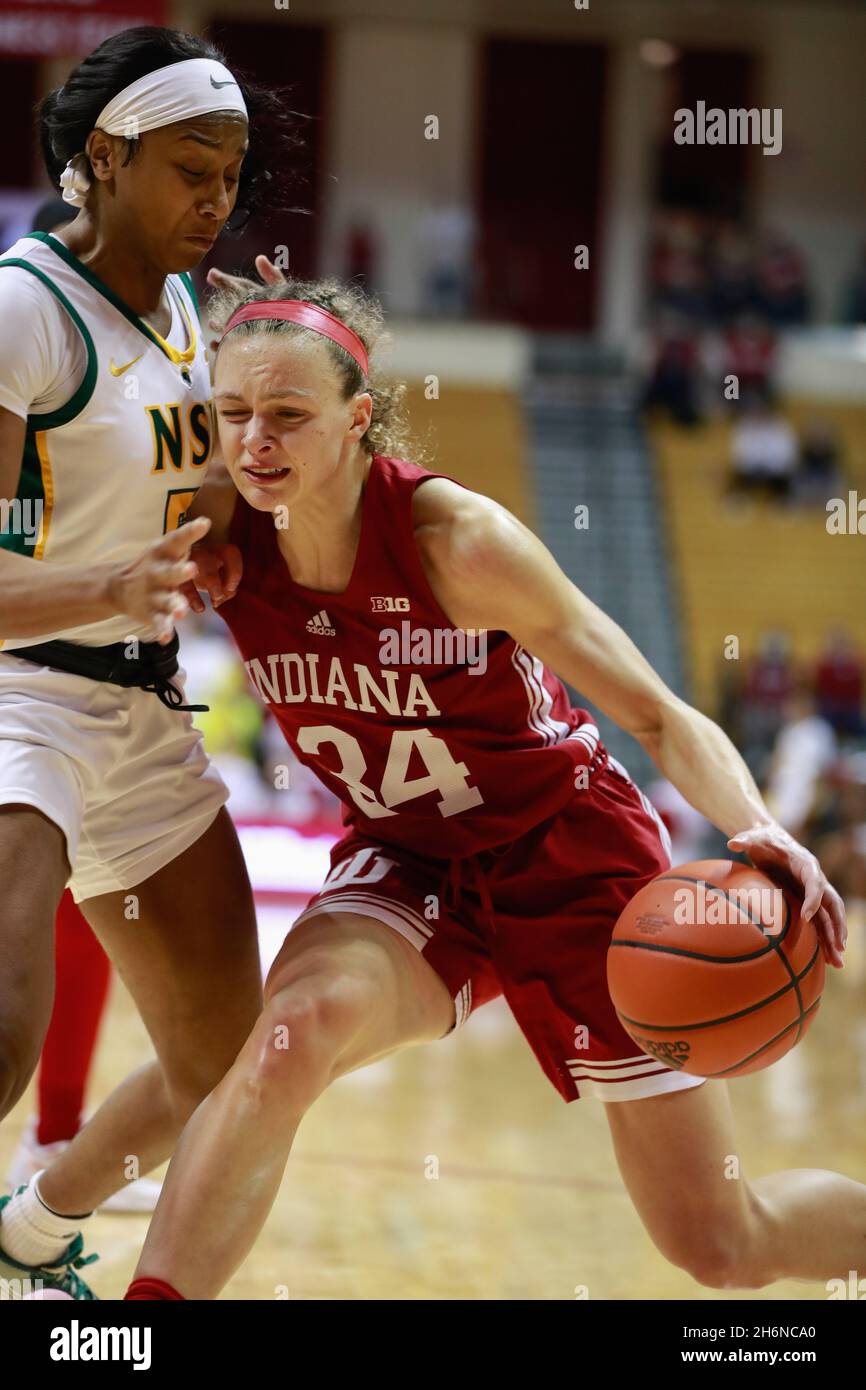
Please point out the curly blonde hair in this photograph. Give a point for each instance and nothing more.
(388, 432)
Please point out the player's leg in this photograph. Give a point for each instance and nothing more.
(83, 975)
(83, 978)
(33, 870)
(343, 991)
(191, 963)
(678, 1157)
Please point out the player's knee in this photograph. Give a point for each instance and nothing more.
(189, 1079)
(300, 1035)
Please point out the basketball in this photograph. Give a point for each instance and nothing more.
(713, 971)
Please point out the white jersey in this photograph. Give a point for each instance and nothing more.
(112, 464)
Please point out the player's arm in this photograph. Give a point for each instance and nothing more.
(38, 598)
(219, 564)
(490, 571)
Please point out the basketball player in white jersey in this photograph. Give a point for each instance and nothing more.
(105, 435)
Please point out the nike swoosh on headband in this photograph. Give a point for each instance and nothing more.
(230, 83)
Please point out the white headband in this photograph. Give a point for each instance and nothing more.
(177, 92)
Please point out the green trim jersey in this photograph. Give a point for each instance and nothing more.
(112, 462)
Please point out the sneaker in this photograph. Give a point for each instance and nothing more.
(18, 1280)
(31, 1157)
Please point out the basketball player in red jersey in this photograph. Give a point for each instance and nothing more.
(491, 842)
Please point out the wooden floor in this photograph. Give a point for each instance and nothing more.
(528, 1203)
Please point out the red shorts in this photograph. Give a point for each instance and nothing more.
(531, 920)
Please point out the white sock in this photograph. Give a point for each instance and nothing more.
(31, 1232)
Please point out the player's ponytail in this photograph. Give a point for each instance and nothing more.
(68, 114)
(389, 432)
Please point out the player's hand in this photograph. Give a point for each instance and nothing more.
(149, 588)
(220, 280)
(219, 566)
(778, 854)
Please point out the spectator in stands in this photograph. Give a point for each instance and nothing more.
(447, 241)
(750, 355)
(767, 686)
(780, 279)
(675, 371)
(841, 842)
(819, 475)
(804, 750)
(677, 272)
(691, 833)
(839, 679)
(731, 280)
(764, 451)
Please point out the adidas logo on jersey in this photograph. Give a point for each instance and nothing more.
(320, 624)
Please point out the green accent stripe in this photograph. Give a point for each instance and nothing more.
(186, 279)
(76, 403)
(101, 288)
(30, 490)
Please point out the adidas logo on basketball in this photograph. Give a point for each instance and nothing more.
(320, 624)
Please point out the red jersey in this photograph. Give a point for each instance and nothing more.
(437, 743)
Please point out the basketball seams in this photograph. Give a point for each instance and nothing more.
(773, 943)
(798, 1023)
(730, 1018)
(684, 878)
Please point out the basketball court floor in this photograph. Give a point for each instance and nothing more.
(454, 1171)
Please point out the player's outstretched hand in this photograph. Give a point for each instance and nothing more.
(149, 587)
(220, 280)
(219, 566)
(778, 854)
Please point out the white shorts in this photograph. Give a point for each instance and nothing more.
(125, 778)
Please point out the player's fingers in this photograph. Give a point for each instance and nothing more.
(270, 273)
(212, 585)
(161, 603)
(184, 569)
(835, 909)
(220, 279)
(176, 574)
(170, 574)
(161, 617)
(178, 543)
(827, 936)
(813, 881)
(232, 568)
(193, 597)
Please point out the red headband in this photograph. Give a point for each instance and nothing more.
(308, 316)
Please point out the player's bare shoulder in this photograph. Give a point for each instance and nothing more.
(459, 534)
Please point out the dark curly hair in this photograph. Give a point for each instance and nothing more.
(67, 115)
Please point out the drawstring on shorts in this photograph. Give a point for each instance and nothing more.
(453, 883)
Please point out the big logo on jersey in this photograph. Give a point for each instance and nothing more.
(182, 434)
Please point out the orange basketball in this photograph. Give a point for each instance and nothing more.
(712, 969)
